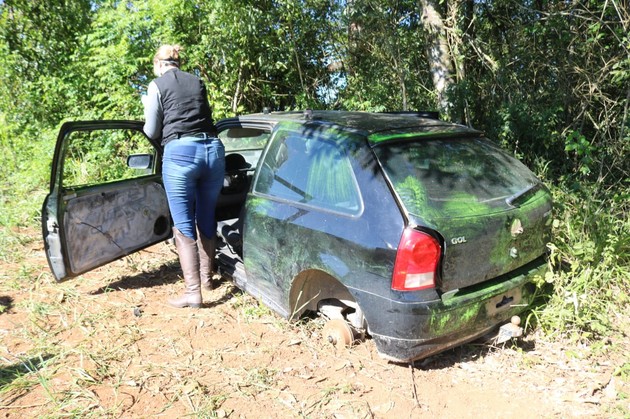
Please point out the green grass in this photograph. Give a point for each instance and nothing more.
(590, 255)
(24, 181)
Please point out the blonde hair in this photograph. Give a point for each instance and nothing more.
(168, 53)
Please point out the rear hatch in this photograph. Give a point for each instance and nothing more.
(491, 211)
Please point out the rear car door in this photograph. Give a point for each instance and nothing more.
(305, 201)
(105, 199)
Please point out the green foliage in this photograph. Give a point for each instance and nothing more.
(569, 108)
(384, 68)
(38, 40)
(94, 157)
(37, 43)
(590, 257)
(24, 175)
(583, 150)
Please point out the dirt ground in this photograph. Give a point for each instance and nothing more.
(106, 345)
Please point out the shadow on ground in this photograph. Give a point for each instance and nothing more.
(165, 274)
(477, 349)
(169, 273)
(6, 303)
(10, 373)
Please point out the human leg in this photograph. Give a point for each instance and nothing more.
(207, 247)
(180, 172)
(209, 186)
(189, 260)
(208, 189)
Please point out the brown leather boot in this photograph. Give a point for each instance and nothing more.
(206, 258)
(189, 261)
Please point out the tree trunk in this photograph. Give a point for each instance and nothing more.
(237, 92)
(438, 52)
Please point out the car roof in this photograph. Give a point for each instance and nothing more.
(376, 126)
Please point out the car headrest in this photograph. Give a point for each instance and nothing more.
(235, 162)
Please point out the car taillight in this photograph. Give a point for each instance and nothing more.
(416, 261)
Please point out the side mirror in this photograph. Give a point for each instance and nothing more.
(140, 161)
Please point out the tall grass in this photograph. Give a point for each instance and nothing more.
(24, 179)
(590, 259)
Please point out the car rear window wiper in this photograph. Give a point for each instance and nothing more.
(522, 196)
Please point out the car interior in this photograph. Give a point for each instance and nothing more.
(243, 149)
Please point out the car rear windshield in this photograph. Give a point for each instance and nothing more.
(440, 178)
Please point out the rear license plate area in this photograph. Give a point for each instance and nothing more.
(504, 301)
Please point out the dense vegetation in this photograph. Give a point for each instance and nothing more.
(548, 79)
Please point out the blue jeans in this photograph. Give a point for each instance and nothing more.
(193, 170)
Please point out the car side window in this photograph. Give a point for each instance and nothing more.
(93, 157)
(310, 171)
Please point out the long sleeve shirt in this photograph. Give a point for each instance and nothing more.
(153, 112)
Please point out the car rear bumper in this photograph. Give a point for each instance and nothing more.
(408, 331)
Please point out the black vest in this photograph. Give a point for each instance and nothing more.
(185, 105)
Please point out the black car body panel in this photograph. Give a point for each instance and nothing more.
(419, 329)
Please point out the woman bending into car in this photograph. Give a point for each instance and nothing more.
(177, 111)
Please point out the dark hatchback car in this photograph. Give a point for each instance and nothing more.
(419, 233)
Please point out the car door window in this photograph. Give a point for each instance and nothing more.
(100, 156)
(309, 171)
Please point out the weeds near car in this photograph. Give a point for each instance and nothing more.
(590, 256)
(251, 308)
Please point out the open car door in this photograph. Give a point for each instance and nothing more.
(106, 198)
